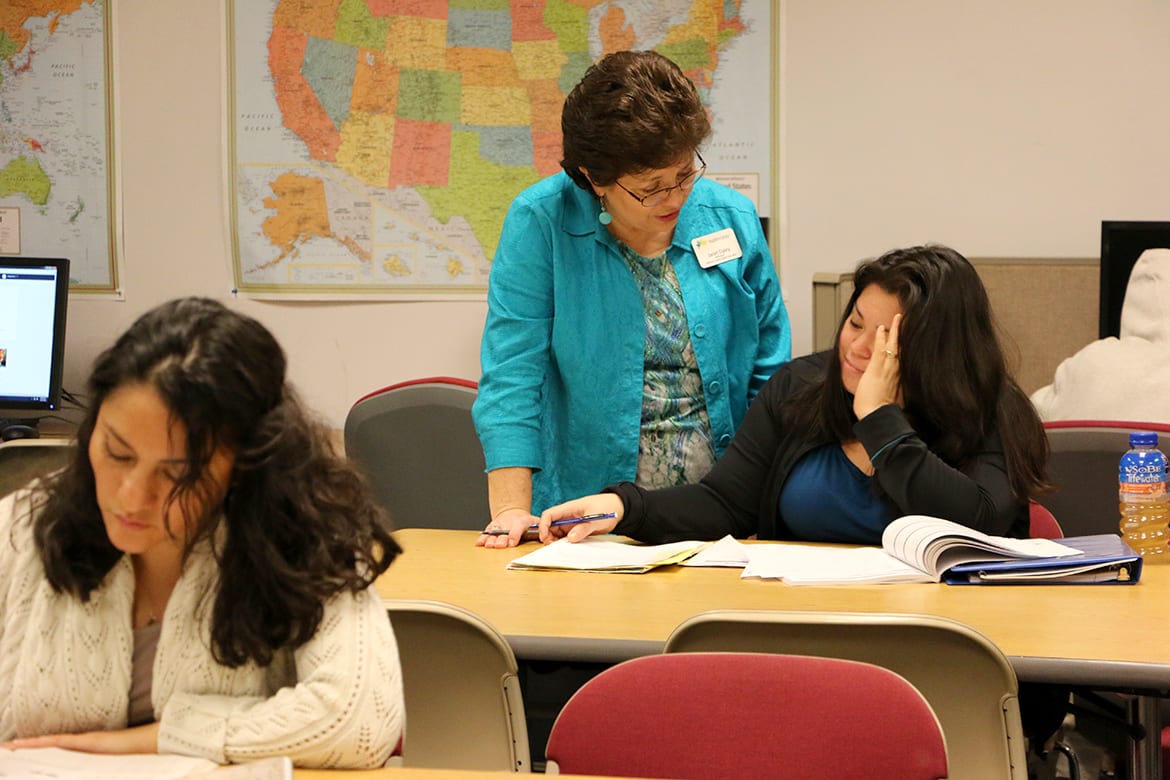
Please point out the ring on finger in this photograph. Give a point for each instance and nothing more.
(891, 354)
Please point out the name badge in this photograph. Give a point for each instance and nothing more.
(715, 248)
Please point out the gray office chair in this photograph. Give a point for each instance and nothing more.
(463, 705)
(1082, 464)
(1083, 461)
(417, 445)
(966, 679)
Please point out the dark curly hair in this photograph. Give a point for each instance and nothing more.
(297, 524)
(954, 375)
(632, 111)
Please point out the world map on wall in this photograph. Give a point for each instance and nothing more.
(376, 144)
(54, 147)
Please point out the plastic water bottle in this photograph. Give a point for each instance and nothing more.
(1145, 506)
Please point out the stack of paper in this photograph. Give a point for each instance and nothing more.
(803, 564)
(726, 553)
(59, 763)
(917, 548)
(74, 765)
(600, 555)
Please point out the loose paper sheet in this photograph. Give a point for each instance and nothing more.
(601, 555)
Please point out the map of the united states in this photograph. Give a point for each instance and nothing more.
(379, 142)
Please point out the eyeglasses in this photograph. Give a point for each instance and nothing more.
(659, 196)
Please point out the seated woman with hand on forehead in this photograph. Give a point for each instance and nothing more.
(913, 412)
(198, 580)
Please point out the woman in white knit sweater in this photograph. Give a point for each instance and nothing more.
(199, 579)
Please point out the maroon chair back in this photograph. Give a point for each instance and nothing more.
(1041, 523)
(745, 716)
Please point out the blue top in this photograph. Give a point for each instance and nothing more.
(828, 499)
(563, 345)
(675, 445)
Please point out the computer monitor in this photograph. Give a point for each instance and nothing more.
(34, 293)
(1122, 243)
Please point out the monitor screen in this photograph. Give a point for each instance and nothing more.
(1122, 243)
(33, 297)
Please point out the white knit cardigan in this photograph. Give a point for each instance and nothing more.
(65, 667)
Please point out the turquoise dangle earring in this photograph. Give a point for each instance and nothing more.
(604, 217)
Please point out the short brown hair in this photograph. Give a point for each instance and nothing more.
(632, 111)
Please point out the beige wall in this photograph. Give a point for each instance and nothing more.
(1002, 128)
(1010, 131)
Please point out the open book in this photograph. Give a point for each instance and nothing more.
(959, 555)
(917, 548)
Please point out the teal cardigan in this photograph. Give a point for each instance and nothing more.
(562, 350)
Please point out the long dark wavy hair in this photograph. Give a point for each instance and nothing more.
(297, 524)
(955, 382)
(632, 111)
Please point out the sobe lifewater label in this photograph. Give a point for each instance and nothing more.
(1143, 476)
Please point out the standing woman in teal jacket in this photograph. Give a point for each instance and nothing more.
(633, 307)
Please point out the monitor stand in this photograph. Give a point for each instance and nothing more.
(12, 428)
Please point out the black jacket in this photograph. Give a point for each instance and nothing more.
(741, 494)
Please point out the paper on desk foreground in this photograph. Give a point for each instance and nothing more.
(604, 555)
(916, 548)
(62, 764)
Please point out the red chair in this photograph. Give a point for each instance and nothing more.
(966, 679)
(417, 445)
(1166, 752)
(1041, 523)
(745, 716)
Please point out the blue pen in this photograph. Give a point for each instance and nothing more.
(563, 521)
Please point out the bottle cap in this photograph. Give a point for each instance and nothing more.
(1143, 439)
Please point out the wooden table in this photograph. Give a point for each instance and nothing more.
(1105, 636)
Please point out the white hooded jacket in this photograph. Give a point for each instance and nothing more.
(1126, 378)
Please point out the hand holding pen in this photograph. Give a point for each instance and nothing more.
(581, 518)
(535, 527)
(575, 520)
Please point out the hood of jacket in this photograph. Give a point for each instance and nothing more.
(1146, 311)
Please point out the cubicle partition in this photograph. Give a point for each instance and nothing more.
(1046, 309)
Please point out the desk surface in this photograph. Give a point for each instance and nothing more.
(1101, 635)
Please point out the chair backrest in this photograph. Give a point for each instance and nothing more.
(417, 445)
(747, 715)
(967, 679)
(459, 676)
(1083, 466)
(1041, 523)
